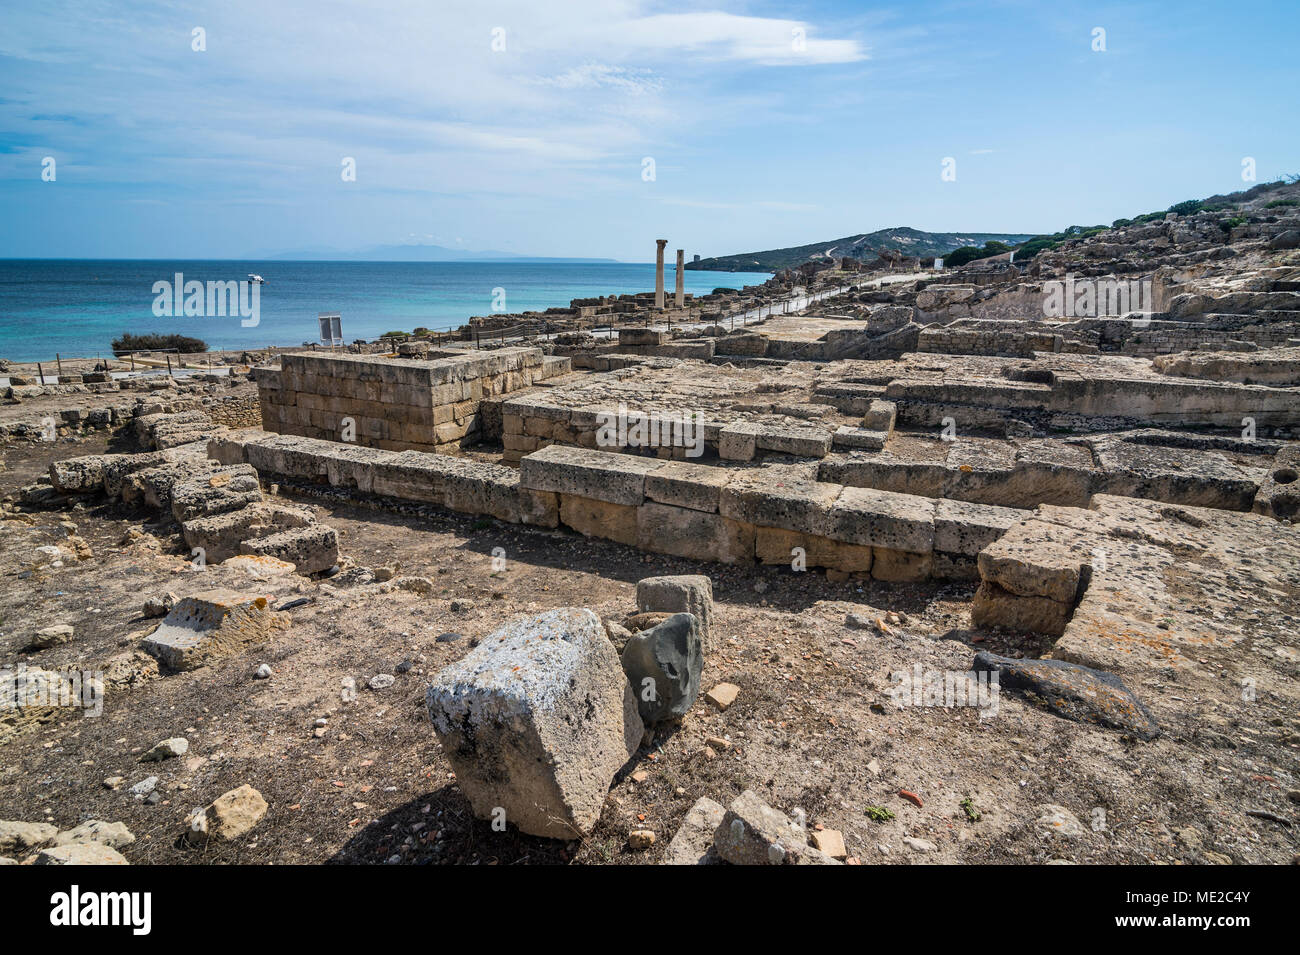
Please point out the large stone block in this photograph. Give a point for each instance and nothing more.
(680, 593)
(995, 606)
(207, 626)
(683, 532)
(591, 518)
(753, 833)
(536, 720)
(696, 486)
(310, 549)
(778, 497)
(226, 489)
(80, 475)
(1038, 559)
(220, 535)
(966, 529)
(775, 546)
(861, 515)
(598, 475)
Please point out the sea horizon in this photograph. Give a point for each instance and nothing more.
(75, 307)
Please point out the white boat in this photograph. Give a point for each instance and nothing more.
(256, 279)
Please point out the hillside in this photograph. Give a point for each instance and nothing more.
(909, 241)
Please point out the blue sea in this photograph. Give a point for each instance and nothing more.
(77, 307)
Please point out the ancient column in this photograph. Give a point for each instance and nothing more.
(659, 272)
(681, 277)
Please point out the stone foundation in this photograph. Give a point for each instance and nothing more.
(394, 404)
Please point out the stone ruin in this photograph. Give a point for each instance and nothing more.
(1120, 486)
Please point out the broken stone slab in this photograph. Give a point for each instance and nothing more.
(1076, 692)
(159, 606)
(167, 749)
(858, 439)
(82, 853)
(80, 475)
(679, 593)
(207, 626)
(227, 489)
(220, 535)
(536, 720)
(880, 416)
(831, 842)
(664, 664)
(310, 549)
(229, 816)
(17, 836)
(152, 487)
(111, 834)
(51, 636)
(693, 843)
(122, 466)
(1038, 559)
(753, 833)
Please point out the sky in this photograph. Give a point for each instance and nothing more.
(592, 127)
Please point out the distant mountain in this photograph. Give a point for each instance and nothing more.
(411, 253)
(903, 239)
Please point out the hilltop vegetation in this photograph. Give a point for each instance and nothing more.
(862, 247)
(1219, 203)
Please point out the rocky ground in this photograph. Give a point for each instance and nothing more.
(360, 777)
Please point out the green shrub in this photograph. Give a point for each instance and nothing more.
(1027, 250)
(959, 257)
(153, 342)
(1120, 223)
(1187, 207)
(1227, 225)
(395, 335)
(1276, 203)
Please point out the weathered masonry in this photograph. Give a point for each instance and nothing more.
(394, 404)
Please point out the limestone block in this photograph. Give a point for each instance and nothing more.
(592, 518)
(207, 626)
(964, 528)
(682, 532)
(680, 593)
(596, 475)
(536, 720)
(311, 549)
(882, 519)
(696, 486)
(777, 497)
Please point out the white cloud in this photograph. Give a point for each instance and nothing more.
(727, 36)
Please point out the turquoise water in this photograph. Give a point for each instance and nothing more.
(76, 308)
